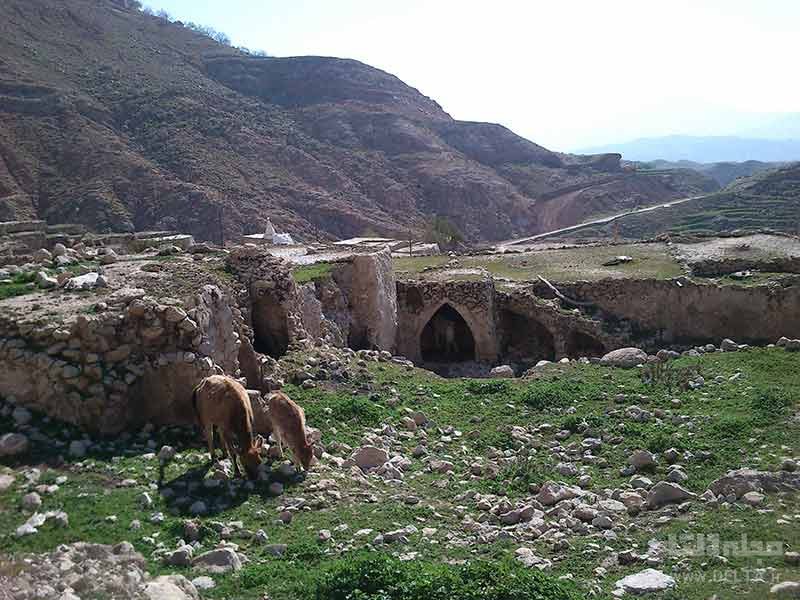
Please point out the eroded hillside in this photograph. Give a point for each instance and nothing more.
(122, 121)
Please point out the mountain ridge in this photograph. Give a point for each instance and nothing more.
(704, 149)
(122, 121)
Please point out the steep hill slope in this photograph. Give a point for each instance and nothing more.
(767, 200)
(119, 120)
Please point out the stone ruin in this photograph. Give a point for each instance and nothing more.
(130, 353)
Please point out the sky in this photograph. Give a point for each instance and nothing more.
(566, 74)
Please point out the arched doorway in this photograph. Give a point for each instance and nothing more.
(525, 340)
(447, 338)
(582, 344)
(270, 327)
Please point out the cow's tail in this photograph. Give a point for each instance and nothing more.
(194, 404)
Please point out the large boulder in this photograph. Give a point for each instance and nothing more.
(220, 560)
(170, 587)
(648, 581)
(552, 493)
(741, 481)
(665, 492)
(626, 358)
(370, 457)
(502, 372)
(85, 282)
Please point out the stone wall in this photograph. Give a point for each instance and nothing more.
(367, 284)
(661, 313)
(135, 361)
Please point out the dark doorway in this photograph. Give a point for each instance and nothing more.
(582, 344)
(270, 327)
(447, 338)
(525, 340)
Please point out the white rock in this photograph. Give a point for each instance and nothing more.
(786, 589)
(753, 498)
(6, 481)
(170, 587)
(204, 582)
(31, 501)
(220, 560)
(369, 457)
(12, 444)
(502, 372)
(646, 582)
(625, 358)
(83, 282)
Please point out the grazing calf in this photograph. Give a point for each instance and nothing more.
(289, 425)
(222, 402)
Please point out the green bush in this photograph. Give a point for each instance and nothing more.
(549, 394)
(488, 387)
(660, 441)
(375, 576)
(356, 409)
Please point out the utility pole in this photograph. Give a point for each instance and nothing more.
(221, 226)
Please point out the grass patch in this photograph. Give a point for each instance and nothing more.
(381, 577)
(307, 273)
(18, 285)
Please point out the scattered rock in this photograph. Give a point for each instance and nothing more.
(13, 444)
(625, 358)
(220, 560)
(665, 492)
(502, 372)
(370, 457)
(646, 582)
(641, 459)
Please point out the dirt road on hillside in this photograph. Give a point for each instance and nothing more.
(603, 221)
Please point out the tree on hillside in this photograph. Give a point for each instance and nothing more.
(443, 232)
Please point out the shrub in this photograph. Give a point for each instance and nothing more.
(375, 576)
(548, 394)
(488, 387)
(356, 408)
(660, 441)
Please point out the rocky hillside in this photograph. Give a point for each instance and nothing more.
(766, 200)
(120, 120)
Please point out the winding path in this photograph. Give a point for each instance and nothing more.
(603, 221)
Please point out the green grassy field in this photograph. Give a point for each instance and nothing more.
(749, 418)
(651, 261)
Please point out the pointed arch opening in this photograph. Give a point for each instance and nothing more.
(525, 341)
(582, 344)
(447, 338)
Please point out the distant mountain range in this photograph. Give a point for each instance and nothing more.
(721, 172)
(705, 149)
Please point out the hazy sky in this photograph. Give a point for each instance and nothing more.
(563, 73)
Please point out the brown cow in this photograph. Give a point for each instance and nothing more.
(222, 402)
(289, 425)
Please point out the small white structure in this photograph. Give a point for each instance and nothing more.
(270, 237)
